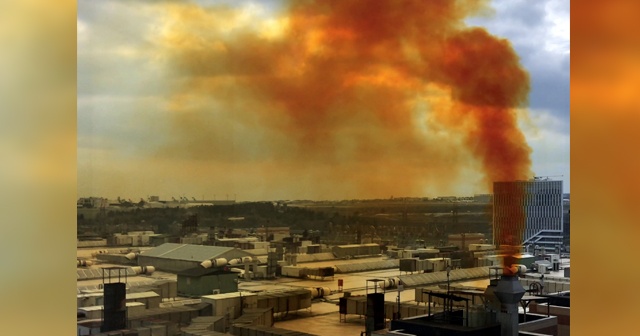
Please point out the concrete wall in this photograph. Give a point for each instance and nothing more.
(562, 313)
(91, 243)
(550, 286)
(544, 325)
(204, 285)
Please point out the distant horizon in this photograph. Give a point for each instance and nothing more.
(137, 199)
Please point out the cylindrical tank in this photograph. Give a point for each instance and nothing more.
(518, 269)
(246, 260)
(95, 253)
(84, 263)
(319, 292)
(219, 262)
(143, 269)
(234, 261)
(389, 283)
(131, 255)
(215, 262)
(522, 269)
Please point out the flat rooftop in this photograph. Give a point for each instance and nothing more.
(323, 317)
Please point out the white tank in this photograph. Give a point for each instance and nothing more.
(95, 253)
(319, 292)
(215, 262)
(234, 261)
(389, 283)
(522, 269)
(84, 263)
(220, 262)
(143, 269)
(516, 269)
(246, 260)
(131, 255)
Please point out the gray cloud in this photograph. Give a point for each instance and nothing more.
(536, 31)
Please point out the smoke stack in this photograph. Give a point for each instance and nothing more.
(509, 291)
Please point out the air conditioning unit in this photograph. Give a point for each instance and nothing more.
(216, 291)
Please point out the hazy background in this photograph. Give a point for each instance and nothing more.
(201, 99)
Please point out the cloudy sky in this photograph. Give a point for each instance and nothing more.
(259, 100)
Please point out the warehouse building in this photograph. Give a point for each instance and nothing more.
(206, 281)
(175, 258)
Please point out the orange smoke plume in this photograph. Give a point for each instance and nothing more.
(379, 96)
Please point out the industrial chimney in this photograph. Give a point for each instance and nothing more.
(509, 291)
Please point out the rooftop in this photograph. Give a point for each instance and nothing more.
(187, 252)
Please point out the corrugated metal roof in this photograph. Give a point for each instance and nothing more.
(96, 273)
(227, 295)
(143, 295)
(315, 257)
(95, 308)
(367, 266)
(439, 277)
(257, 252)
(358, 245)
(187, 252)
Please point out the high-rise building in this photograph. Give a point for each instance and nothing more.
(528, 212)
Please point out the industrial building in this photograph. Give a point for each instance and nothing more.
(463, 240)
(171, 257)
(203, 281)
(184, 289)
(535, 204)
